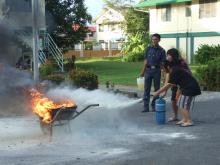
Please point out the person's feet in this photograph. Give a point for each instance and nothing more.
(153, 109)
(184, 123)
(145, 111)
(171, 119)
(180, 122)
(187, 124)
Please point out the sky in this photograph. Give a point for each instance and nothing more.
(95, 6)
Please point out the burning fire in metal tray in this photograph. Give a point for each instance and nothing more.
(50, 112)
(42, 106)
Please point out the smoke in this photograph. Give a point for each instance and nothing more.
(12, 81)
(107, 119)
(5, 37)
(83, 97)
(13, 86)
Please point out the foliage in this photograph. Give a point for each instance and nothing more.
(88, 46)
(46, 69)
(135, 21)
(206, 53)
(118, 4)
(64, 14)
(84, 79)
(133, 57)
(133, 49)
(209, 75)
(69, 64)
(136, 26)
(55, 78)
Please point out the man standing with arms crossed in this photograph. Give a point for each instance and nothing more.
(154, 55)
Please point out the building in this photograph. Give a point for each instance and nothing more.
(184, 24)
(109, 28)
(17, 16)
(91, 35)
(89, 40)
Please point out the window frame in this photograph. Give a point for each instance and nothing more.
(101, 27)
(188, 9)
(206, 11)
(165, 12)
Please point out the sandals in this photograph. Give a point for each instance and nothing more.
(179, 122)
(172, 119)
(182, 124)
(186, 125)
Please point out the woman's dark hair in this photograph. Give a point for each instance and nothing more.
(174, 53)
(167, 64)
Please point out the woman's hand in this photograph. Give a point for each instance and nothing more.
(155, 94)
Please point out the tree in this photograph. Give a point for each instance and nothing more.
(61, 15)
(135, 21)
(136, 27)
(118, 4)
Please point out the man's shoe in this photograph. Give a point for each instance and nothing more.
(145, 111)
(153, 109)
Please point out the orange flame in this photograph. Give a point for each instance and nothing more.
(43, 106)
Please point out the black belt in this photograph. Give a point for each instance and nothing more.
(153, 67)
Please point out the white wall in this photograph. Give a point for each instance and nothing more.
(182, 47)
(179, 23)
(205, 40)
(108, 17)
(168, 43)
(107, 34)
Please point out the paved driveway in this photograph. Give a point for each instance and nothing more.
(122, 136)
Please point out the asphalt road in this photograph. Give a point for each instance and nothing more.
(122, 136)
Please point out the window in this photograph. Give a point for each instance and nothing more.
(21, 5)
(101, 28)
(111, 27)
(207, 8)
(91, 34)
(164, 12)
(188, 9)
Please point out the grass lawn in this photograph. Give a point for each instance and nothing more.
(112, 69)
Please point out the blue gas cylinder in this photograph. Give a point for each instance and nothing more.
(160, 111)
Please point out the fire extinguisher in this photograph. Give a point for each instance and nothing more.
(160, 110)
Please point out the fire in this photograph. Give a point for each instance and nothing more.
(43, 106)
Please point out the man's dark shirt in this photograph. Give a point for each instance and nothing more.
(154, 55)
(187, 83)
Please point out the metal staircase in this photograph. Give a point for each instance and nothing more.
(53, 50)
(48, 44)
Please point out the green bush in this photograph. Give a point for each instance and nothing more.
(209, 75)
(46, 69)
(84, 79)
(88, 46)
(55, 78)
(133, 57)
(133, 49)
(206, 53)
(69, 64)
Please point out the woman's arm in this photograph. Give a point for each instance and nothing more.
(163, 89)
(167, 77)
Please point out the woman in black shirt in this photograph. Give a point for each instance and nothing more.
(174, 57)
(189, 89)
